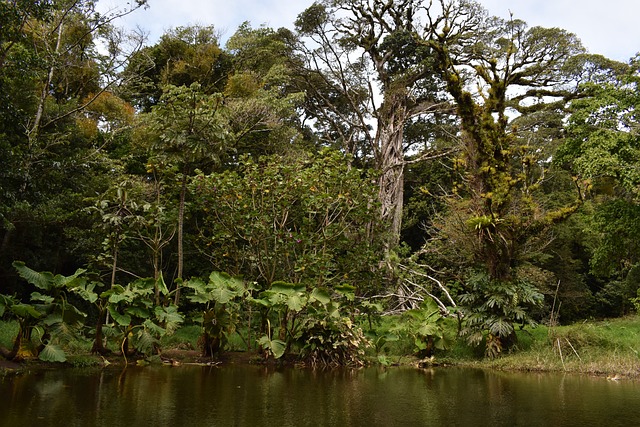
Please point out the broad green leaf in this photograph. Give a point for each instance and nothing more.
(170, 316)
(42, 280)
(320, 295)
(333, 310)
(287, 288)
(37, 296)
(116, 294)
(143, 286)
(276, 347)
(52, 319)
(87, 293)
(200, 298)
(265, 302)
(69, 281)
(218, 278)
(429, 330)
(222, 294)
(162, 286)
(144, 341)
(117, 298)
(121, 319)
(197, 285)
(154, 328)
(346, 290)
(296, 302)
(25, 310)
(139, 312)
(52, 353)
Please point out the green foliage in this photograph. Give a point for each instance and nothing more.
(501, 163)
(636, 301)
(617, 225)
(491, 308)
(189, 125)
(425, 328)
(312, 323)
(8, 328)
(136, 318)
(53, 318)
(332, 341)
(220, 299)
(602, 141)
(304, 219)
(305, 226)
(183, 56)
(52, 353)
(274, 347)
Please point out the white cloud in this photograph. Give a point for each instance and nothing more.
(224, 15)
(607, 27)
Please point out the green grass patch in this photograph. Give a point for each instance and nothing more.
(8, 332)
(609, 347)
(185, 337)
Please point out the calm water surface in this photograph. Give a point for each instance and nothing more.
(257, 396)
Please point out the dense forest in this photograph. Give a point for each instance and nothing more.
(376, 158)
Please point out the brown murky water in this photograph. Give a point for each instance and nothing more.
(256, 396)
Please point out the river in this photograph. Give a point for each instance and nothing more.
(259, 396)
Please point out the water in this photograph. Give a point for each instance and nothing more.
(258, 396)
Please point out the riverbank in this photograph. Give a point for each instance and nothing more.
(609, 348)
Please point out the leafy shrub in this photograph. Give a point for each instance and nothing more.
(491, 309)
(333, 341)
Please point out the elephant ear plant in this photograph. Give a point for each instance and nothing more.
(137, 319)
(50, 319)
(311, 326)
(219, 299)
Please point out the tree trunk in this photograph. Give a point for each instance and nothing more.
(183, 193)
(390, 135)
(98, 345)
(33, 132)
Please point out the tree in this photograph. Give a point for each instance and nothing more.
(189, 131)
(260, 93)
(51, 73)
(519, 72)
(361, 52)
(507, 81)
(182, 57)
(603, 147)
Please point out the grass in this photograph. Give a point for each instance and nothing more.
(8, 331)
(609, 348)
(185, 337)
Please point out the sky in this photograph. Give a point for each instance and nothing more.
(607, 27)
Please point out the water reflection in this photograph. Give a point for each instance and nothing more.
(259, 396)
